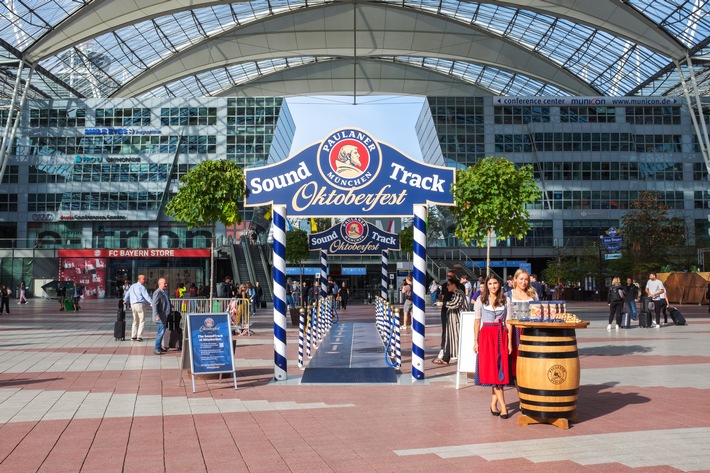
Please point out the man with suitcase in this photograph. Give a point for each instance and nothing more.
(161, 310)
(632, 296)
(657, 292)
(139, 299)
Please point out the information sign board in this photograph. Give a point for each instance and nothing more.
(210, 337)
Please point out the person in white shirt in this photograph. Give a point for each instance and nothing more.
(657, 292)
(139, 299)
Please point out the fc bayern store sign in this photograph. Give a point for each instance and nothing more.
(137, 253)
(349, 173)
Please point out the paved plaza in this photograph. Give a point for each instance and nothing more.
(72, 399)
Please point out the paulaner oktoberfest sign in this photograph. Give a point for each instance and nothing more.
(354, 236)
(349, 173)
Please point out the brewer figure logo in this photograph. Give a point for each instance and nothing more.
(557, 374)
(354, 230)
(349, 159)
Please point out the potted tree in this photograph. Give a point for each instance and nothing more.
(490, 199)
(296, 251)
(209, 193)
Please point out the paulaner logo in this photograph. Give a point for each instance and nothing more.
(349, 159)
(354, 230)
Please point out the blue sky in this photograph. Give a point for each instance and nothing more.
(390, 119)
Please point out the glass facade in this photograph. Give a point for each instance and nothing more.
(106, 181)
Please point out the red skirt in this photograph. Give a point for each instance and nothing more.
(492, 365)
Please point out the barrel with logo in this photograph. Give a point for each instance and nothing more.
(548, 372)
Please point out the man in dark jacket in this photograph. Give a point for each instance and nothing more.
(632, 295)
(161, 310)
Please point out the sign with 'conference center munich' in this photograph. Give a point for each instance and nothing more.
(349, 173)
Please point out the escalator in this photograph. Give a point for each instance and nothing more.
(242, 274)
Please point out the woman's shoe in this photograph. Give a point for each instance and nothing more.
(439, 361)
(504, 416)
(494, 413)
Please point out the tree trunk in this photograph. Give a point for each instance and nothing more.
(212, 266)
(488, 253)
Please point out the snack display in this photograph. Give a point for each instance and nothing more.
(539, 311)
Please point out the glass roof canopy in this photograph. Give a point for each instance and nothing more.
(93, 49)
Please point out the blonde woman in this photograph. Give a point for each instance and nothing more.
(615, 299)
(520, 297)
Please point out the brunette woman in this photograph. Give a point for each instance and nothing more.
(493, 344)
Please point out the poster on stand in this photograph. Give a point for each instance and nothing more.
(210, 339)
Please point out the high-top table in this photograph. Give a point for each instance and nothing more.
(548, 372)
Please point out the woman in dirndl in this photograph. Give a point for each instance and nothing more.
(492, 343)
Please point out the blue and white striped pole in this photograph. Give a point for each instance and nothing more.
(301, 330)
(279, 221)
(385, 274)
(323, 274)
(418, 323)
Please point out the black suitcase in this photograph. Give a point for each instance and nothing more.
(172, 338)
(625, 320)
(121, 315)
(644, 319)
(677, 317)
(119, 330)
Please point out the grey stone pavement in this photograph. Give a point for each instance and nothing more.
(74, 399)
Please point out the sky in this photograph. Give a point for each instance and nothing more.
(389, 119)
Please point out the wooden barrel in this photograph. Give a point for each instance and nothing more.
(548, 373)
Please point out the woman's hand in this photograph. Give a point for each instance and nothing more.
(475, 346)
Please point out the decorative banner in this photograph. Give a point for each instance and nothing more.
(87, 272)
(354, 236)
(349, 173)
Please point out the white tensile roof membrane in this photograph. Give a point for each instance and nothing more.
(183, 48)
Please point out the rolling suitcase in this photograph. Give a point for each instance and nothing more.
(119, 330)
(676, 316)
(644, 319)
(121, 315)
(172, 338)
(625, 320)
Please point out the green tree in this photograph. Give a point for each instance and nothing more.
(209, 193)
(297, 250)
(650, 234)
(490, 198)
(406, 240)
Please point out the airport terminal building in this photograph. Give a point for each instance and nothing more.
(87, 180)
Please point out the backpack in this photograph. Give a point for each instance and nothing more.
(617, 294)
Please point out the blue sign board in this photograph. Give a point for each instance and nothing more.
(612, 243)
(501, 264)
(609, 256)
(354, 236)
(306, 271)
(349, 174)
(353, 271)
(210, 343)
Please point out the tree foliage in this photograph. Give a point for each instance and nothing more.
(209, 193)
(406, 240)
(490, 198)
(650, 233)
(296, 246)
